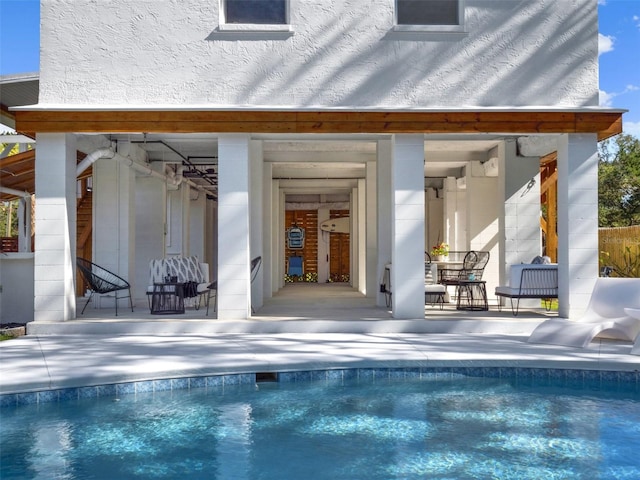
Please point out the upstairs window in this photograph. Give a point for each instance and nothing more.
(255, 12)
(429, 12)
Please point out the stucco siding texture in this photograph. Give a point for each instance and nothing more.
(340, 54)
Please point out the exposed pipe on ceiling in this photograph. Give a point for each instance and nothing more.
(173, 180)
(17, 193)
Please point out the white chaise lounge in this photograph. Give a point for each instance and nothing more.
(605, 316)
(634, 313)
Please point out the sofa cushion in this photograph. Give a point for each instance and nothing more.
(157, 271)
(187, 269)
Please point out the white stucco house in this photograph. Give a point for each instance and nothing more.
(207, 120)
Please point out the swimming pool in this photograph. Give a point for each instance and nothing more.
(348, 424)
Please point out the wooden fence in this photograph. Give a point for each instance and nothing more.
(613, 244)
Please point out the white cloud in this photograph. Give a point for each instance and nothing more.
(631, 128)
(606, 99)
(605, 43)
(602, 2)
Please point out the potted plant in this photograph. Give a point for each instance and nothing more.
(440, 251)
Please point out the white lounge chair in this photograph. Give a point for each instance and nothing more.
(605, 316)
(634, 313)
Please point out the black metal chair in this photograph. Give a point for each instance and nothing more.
(102, 281)
(255, 268)
(472, 268)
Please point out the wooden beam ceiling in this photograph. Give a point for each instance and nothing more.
(605, 124)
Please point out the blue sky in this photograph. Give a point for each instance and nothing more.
(619, 50)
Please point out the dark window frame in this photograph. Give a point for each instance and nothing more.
(243, 12)
(452, 21)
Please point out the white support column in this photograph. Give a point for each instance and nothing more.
(276, 251)
(361, 250)
(256, 184)
(281, 237)
(577, 222)
(407, 179)
(371, 225)
(268, 229)
(354, 240)
(233, 227)
(54, 258)
(383, 176)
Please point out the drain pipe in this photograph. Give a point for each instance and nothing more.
(171, 180)
(92, 157)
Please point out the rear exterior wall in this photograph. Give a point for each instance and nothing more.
(339, 54)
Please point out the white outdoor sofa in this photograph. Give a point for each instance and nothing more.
(605, 316)
(186, 269)
(528, 280)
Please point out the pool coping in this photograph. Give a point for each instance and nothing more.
(37, 365)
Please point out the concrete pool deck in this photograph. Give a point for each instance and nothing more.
(37, 363)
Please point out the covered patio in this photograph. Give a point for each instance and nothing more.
(370, 157)
(300, 308)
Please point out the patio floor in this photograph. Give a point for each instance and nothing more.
(299, 329)
(299, 308)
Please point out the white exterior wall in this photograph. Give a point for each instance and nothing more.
(455, 216)
(483, 206)
(197, 223)
(434, 219)
(342, 53)
(178, 220)
(520, 213)
(150, 210)
(113, 223)
(323, 246)
(16, 287)
(520, 187)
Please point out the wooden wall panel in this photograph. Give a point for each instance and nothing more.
(307, 219)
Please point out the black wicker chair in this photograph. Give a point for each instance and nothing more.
(102, 281)
(473, 267)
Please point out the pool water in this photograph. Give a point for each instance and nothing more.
(469, 428)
